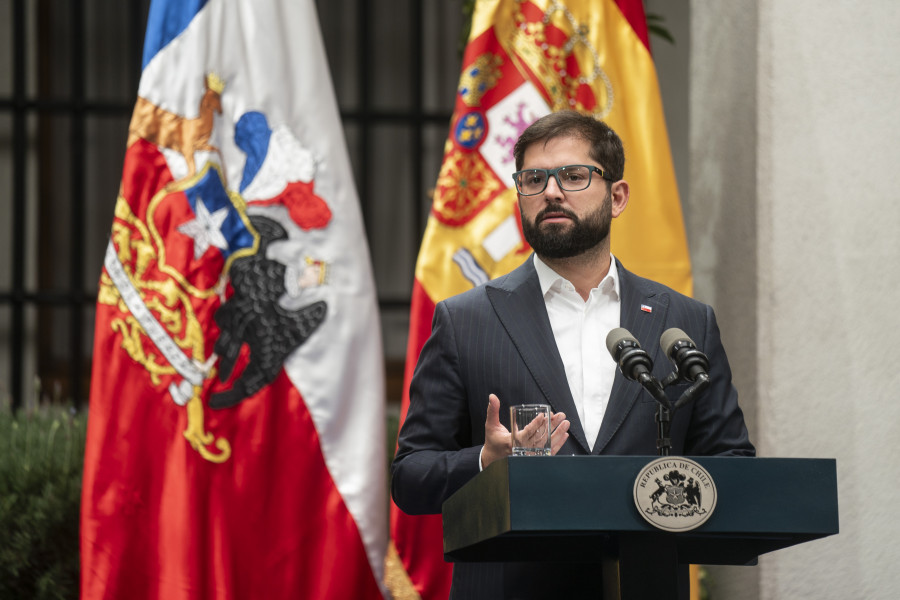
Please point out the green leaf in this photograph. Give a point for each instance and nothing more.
(656, 26)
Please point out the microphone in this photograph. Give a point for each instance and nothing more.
(633, 360)
(681, 350)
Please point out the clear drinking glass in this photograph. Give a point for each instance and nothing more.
(530, 428)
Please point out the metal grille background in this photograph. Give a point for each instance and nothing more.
(69, 72)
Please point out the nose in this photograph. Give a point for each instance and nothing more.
(553, 191)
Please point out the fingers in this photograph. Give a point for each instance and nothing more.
(556, 419)
(493, 413)
(559, 426)
(534, 434)
(536, 429)
(497, 440)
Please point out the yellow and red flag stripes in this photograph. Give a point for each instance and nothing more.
(524, 59)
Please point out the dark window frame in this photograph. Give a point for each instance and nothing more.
(67, 369)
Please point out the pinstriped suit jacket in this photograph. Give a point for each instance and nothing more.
(497, 338)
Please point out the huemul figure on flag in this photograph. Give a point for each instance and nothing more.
(236, 431)
(526, 59)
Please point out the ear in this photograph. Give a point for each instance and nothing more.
(619, 193)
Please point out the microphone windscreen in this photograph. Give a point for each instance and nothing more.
(616, 336)
(670, 337)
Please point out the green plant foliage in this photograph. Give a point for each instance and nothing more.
(41, 459)
(656, 26)
(468, 9)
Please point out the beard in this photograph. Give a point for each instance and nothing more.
(563, 240)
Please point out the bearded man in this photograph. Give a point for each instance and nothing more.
(537, 336)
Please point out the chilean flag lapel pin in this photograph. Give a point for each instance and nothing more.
(646, 308)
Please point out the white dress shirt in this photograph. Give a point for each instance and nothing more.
(580, 330)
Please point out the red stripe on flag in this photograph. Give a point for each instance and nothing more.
(421, 313)
(418, 537)
(633, 11)
(174, 526)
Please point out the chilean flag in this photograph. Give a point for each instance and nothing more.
(236, 434)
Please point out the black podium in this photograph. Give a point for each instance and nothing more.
(583, 506)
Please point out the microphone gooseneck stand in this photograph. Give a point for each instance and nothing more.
(636, 365)
(665, 410)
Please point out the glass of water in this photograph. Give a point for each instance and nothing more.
(530, 428)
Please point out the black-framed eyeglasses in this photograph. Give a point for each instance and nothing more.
(570, 178)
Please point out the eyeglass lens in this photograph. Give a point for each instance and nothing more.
(570, 179)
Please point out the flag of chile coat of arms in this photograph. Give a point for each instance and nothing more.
(236, 427)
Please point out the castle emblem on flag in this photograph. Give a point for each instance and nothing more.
(211, 282)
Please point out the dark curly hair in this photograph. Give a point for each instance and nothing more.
(606, 146)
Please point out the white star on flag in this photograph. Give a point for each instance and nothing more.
(206, 229)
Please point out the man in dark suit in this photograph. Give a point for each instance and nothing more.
(537, 335)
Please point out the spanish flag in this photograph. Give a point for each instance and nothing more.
(524, 59)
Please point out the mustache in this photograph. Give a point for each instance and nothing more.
(555, 209)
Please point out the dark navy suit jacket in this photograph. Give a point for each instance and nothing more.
(496, 338)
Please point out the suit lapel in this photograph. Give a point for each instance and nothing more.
(519, 305)
(643, 313)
